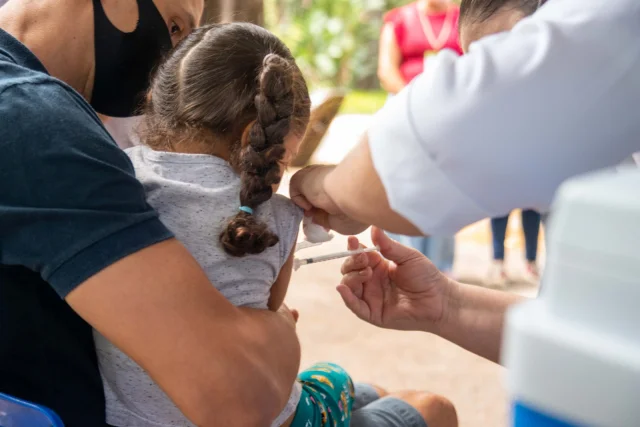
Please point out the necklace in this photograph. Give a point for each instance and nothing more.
(436, 43)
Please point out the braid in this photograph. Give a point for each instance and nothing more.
(260, 160)
(235, 86)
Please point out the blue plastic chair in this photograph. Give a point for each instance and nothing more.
(18, 413)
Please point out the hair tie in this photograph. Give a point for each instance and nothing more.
(246, 209)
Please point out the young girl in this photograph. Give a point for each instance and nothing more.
(225, 115)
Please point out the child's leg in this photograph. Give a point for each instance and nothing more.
(327, 397)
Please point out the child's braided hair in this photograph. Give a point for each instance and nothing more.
(220, 80)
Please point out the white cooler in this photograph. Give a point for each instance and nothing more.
(573, 355)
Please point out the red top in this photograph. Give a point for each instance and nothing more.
(411, 38)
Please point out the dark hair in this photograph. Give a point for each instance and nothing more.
(478, 11)
(219, 80)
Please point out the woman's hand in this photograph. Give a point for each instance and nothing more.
(306, 189)
(403, 290)
(339, 223)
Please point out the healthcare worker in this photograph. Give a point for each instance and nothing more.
(496, 129)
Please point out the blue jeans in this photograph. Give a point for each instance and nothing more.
(440, 250)
(531, 228)
(369, 410)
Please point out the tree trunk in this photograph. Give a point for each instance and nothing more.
(234, 10)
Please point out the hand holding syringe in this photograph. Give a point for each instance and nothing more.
(316, 235)
(297, 263)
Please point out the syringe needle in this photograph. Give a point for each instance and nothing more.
(336, 255)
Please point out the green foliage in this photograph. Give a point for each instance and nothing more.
(334, 41)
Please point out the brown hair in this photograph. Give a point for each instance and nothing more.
(219, 80)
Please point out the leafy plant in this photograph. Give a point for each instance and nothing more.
(334, 41)
(363, 102)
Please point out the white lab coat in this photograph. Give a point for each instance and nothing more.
(503, 126)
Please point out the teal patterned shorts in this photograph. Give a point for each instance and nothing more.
(327, 397)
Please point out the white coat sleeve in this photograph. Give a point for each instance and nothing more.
(503, 126)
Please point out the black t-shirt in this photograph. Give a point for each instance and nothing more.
(69, 206)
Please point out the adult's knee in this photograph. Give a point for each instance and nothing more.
(437, 411)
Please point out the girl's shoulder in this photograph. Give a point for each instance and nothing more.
(286, 211)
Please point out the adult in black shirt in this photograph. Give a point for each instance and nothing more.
(80, 247)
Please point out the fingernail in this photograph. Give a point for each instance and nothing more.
(363, 273)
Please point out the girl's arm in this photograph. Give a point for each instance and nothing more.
(281, 285)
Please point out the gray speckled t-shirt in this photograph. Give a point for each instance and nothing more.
(195, 196)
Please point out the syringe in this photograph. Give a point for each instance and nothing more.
(297, 263)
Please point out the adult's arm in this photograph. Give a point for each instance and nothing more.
(475, 318)
(389, 60)
(74, 212)
(499, 128)
(158, 306)
(340, 192)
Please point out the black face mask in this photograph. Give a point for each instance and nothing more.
(124, 61)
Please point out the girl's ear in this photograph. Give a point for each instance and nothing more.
(244, 140)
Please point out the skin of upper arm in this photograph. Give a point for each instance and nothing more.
(389, 51)
(158, 307)
(389, 58)
(281, 285)
(355, 187)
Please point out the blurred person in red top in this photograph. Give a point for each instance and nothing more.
(410, 35)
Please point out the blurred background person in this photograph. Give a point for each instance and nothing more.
(497, 276)
(411, 34)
